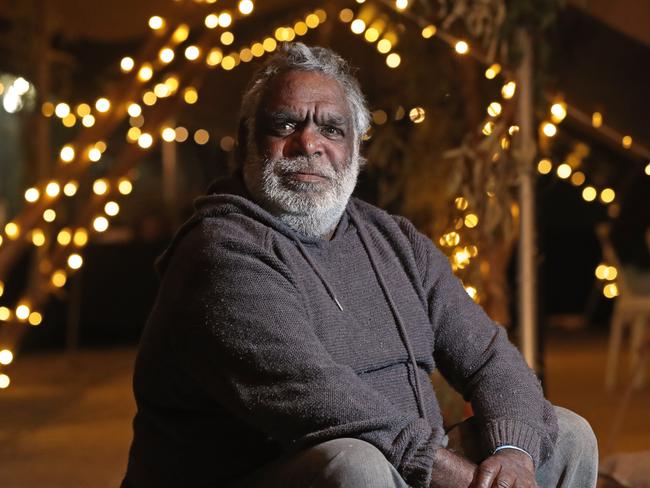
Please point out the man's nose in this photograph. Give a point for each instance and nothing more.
(304, 142)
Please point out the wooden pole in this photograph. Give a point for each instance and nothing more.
(527, 274)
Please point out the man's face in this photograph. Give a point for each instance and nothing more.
(302, 162)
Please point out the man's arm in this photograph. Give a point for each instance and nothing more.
(475, 356)
(241, 330)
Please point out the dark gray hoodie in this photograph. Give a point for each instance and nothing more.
(263, 341)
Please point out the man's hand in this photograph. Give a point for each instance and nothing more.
(451, 470)
(508, 468)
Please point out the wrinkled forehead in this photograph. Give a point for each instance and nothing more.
(305, 92)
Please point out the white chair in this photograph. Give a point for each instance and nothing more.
(632, 309)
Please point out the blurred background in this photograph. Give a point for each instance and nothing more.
(513, 133)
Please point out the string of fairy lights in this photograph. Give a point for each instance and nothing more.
(213, 52)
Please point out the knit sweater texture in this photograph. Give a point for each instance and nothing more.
(263, 341)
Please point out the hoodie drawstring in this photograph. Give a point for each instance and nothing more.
(398, 318)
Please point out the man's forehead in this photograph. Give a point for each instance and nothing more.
(300, 90)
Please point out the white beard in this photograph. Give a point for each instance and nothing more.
(311, 208)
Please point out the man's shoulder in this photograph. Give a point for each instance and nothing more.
(371, 214)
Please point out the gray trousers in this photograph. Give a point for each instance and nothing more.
(352, 463)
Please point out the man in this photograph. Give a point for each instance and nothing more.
(296, 328)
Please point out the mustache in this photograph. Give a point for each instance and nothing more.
(302, 164)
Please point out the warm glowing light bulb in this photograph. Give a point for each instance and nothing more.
(124, 186)
(134, 110)
(127, 64)
(59, 278)
(52, 189)
(100, 186)
(32, 194)
(417, 115)
(6, 357)
(145, 140)
(80, 237)
(112, 208)
(64, 237)
(38, 237)
(35, 318)
(544, 166)
(589, 193)
(358, 26)
(12, 230)
(5, 381)
(190, 95)
(564, 171)
(103, 105)
(75, 261)
(393, 60)
(371, 35)
(578, 178)
(461, 47)
(471, 220)
(245, 7)
(607, 195)
(146, 72)
(22, 312)
(181, 33)
(166, 55)
(227, 38)
(156, 22)
(94, 154)
(384, 46)
(269, 44)
(493, 71)
(201, 137)
(312, 21)
(225, 19)
(627, 142)
(610, 290)
(100, 224)
(494, 109)
(62, 110)
(83, 109)
(597, 120)
(192, 53)
(401, 4)
(346, 15)
(549, 129)
(168, 134)
(647, 169)
(558, 112)
(67, 153)
(211, 21)
(429, 31)
(508, 90)
(488, 128)
(49, 215)
(70, 188)
(5, 314)
(216, 55)
(88, 120)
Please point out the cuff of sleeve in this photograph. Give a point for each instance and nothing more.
(507, 446)
(513, 433)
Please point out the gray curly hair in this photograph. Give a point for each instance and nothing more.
(299, 57)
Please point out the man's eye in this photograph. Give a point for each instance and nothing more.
(283, 126)
(332, 131)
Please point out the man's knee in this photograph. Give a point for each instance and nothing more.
(576, 438)
(353, 463)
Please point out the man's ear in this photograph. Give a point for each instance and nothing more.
(242, 142)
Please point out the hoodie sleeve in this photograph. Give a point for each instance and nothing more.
(475, 356)
(241, 331)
